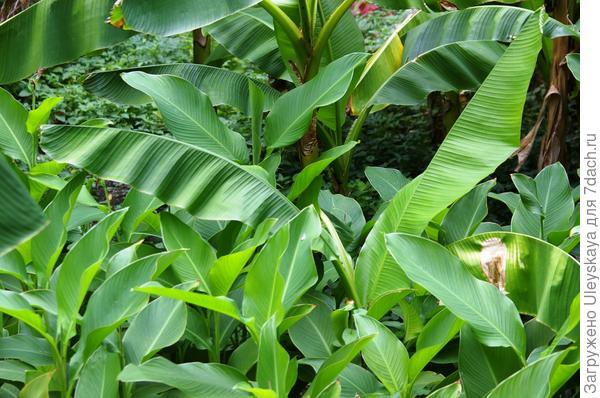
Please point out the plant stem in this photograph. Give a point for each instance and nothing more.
(323, 39)
(353, 135)
(289, 27)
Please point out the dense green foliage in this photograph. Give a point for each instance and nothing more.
(280, 221)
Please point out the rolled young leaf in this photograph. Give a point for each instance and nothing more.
(206, 185)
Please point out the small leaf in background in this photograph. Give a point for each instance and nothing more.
(41, 114)
(387, 182)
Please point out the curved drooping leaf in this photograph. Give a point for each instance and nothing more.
(206, 185)
(249, 34)
(493, 317)
(189, 114)
(53, 32)
(20, 216)
(486, 133)
(471, 3)
(15, 140)
(29, 349)
(221, 86)
(541, 279)
(292, 113)
(41, 114)
(195, 379)
(498, 23)
(167, 18)
(451, 67)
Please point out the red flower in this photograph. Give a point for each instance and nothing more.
(363, 8)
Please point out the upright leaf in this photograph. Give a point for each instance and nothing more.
(15, 140)
(486, 133)
(199, 257)
(99, 376)
(80, 266)
(20, 216)
(292, 113)
(273, 360)
(47, 246)
(385, 354)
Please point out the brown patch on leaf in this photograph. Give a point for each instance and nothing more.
(116, 17)
(493, 262)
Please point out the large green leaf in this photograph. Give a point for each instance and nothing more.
(189, 114)
(52, 32)
(486, 133)
(284, 269)
(140, 206)
(494, 318)
(541, 279)
(451, 67)
(385, 354)
(346, 37)
(80, 266)
(160, 324)
(15, 140)
(292, 113)
(250, 35)
(206, 185)
(314, 335)
(20, 216)
(99, 376)
(195, 379)
(499, 23)
(29, 349)
(221, 86)
(166, 18)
